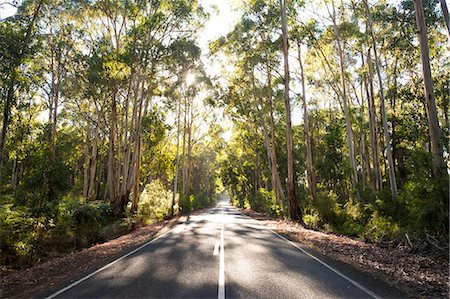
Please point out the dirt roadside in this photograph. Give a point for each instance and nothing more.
(415, 275)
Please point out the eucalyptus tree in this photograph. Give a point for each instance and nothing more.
(28, 15)
(433, 121)
(133, 42)
(387, 139)
(445, 15)
(294, 209)
(301, 37)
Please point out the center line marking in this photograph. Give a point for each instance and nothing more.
(216, 247)
(221, 291)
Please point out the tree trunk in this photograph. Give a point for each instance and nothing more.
(12, 82)
(93, 165)
(362, 143)
(348, 125)
(433, 121)
(136, 190)
(6, 115)
(309, 157)
(277, 189)
(189, 149)
(111, 156)
(177, 159)
(294, 208)
(54, 103)
(377, 179)
(14, 174)
(86, 166)
(439, 166)
(446, 16)
(127, 171)
(183, 171)
(391, 166)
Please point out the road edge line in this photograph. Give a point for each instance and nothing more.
(221, 288)
(105, 267)
(355, 283)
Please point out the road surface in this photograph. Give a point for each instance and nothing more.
(222, 253)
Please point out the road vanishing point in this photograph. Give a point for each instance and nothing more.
(221, 253)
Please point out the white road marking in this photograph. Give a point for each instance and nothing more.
(216, 247)
(356, 284)
(107, 266)
(221, 290)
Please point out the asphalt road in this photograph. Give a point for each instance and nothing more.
(223, 254)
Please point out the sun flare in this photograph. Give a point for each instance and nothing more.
(190, 79)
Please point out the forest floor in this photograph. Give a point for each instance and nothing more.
(415, 275)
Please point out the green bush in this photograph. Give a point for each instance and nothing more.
(329, 209)
(78, 223)
(423, 203)
(17, 237)
(154, 203)
(381, 228)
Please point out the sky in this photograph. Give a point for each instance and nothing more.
(222, 19)
(6, 10)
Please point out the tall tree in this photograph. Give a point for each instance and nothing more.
(17, 61)
(387, 139)
(446, 16)
(294, 209)
(309, 156)
(433, 121)
(349, 132)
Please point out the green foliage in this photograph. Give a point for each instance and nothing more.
(382, 228)
(423, 203)
(78, 223)
(154, 203)
(16, 233)
(263, 201)
(63, 226)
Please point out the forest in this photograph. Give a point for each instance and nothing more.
(331, 113)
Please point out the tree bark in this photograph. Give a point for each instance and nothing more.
(377, 179)
(277, 189)
(86, 165)
(439, 166)
(93, 165)
(136, 190)
(111, 156)
(446, 16)
(433, 121)
(183, 171)
(391, 166)
(309, 157)
(348, 125)
(294, 208)
(177, 161)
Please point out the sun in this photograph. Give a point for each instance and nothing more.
(190, 79)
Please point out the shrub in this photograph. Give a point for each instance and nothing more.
(423, 203)
(154, 203)
(381, 228)
(17, 235)
(78, 223)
